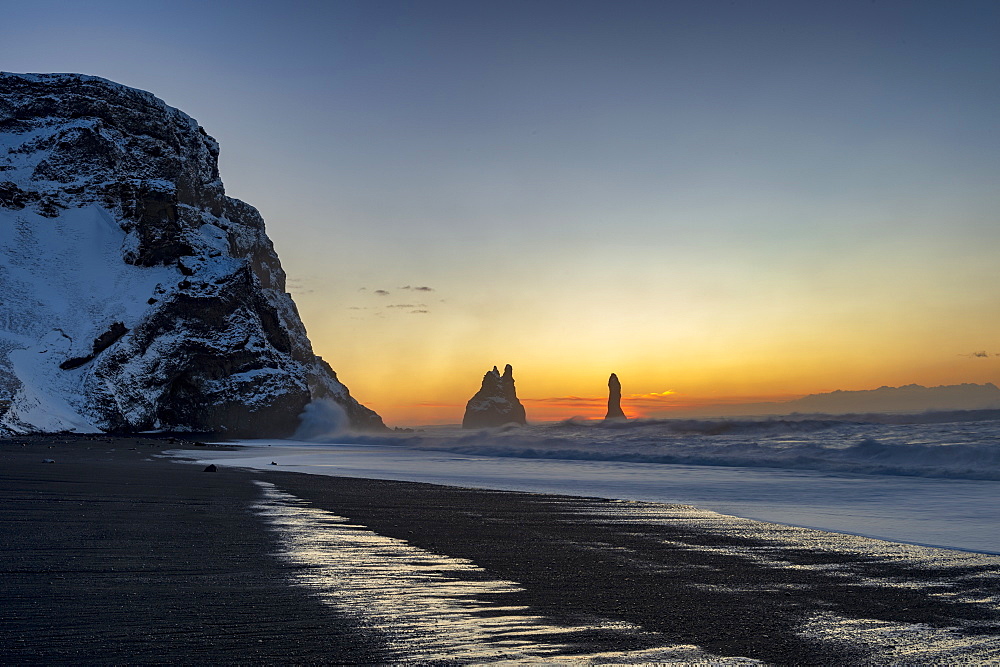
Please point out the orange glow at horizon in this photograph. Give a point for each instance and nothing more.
(716, 338)
(561, 408)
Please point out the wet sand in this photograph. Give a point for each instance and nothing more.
(111, 554)
(107, 556)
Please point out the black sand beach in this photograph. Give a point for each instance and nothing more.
(111, 554)
(110, 557)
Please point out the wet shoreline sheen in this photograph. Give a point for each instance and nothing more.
(112, 554)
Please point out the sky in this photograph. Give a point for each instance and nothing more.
(718, 201)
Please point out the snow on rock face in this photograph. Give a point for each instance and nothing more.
(495, 404)
(135, 294)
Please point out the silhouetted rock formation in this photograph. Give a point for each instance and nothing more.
(495, 404)
(615, 399)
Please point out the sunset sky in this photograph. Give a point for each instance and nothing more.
(718, 201)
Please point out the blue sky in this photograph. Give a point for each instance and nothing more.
(713, 198)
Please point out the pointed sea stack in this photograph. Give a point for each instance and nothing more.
(615, 399)
(495, 404)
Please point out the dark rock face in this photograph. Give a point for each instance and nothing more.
(101, 343)
(197, 332)
(615, 399)
(495, 404)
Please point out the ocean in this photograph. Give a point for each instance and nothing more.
(931, 480)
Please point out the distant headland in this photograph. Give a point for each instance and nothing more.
(908, 398)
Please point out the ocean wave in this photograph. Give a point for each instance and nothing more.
(927, 448)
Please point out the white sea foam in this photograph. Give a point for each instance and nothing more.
(959, 449)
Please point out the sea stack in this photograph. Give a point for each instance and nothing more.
(615, 399)
(136, 295)
(495, 404)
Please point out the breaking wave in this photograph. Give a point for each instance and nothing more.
(919, 446)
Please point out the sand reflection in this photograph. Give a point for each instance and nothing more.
(961, 577)
(428, 607)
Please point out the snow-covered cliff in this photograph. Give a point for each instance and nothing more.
(134, 294)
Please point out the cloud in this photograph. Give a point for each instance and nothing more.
(421, 288)
(415, 307)
(655, 399)
(382, 292)
(648, 402)
(569, 401)
(653, 395)
(981, 354)
(298, 286)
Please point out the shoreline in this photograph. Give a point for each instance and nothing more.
(932, 512)
(110, 554)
